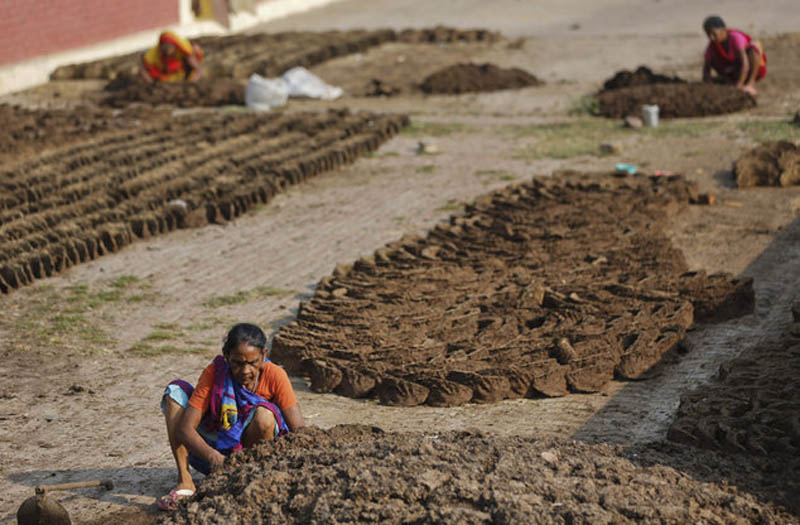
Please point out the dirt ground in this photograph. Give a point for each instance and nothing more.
(85, 354)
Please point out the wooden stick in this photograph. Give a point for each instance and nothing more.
(108, 484)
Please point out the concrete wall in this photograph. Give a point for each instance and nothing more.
(32, 28)
(37, 36)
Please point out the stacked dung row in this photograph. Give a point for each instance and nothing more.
(205, 92)
(692, 99)
(28, 130)
(753, 406)
(271, 54)
(79, 202)
(541, 289)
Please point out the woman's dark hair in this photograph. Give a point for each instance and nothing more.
(244, 333)
(712, 22)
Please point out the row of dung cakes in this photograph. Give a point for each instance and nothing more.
(270, 54)
(81, 201)
(480, 310)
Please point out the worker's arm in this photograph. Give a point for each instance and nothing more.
(187, 434)
(706, 72)
(294, 419)
(194, 70)
(745, 69)
(143, 73)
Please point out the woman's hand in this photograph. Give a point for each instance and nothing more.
(216, 459)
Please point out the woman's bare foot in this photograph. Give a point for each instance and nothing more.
(749, 89)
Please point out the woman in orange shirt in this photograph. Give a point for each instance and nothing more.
(173, 59)
(241, 398)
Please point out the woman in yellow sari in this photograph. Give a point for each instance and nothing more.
(173, 59)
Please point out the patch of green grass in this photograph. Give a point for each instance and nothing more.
(162, 335)
(143, 349)
(502, 175)
(124, 281)
(428, 168)
(689, 129)
(369, 155)
(451, 205)
(259, 292)
(198, 327)
(565, 140)
(769, 130)
(586, 105)
(75, 317)
(419, 129)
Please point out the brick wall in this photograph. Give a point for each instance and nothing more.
(29, 28)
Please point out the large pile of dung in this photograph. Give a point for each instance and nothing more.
(469, 78)
(694, 99)
(356, 474)
(642, 76)
(770, 164)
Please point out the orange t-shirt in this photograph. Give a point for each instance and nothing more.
(274, 386)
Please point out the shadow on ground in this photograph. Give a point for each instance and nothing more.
(639, 415)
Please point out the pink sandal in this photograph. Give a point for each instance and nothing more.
(170, 501)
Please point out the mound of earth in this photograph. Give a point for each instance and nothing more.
(470, 78)
(79, 202)
(545, 288)
(642, 76)
(127, 89)
(28, 131)
(770, 164)
(355, 474)
(694, 99)
(271, 54)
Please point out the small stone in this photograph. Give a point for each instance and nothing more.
(706, 199)
(431, 252)
(424, 148)
(339, 292)
(610, 148)
(634, 122)
(549, 457)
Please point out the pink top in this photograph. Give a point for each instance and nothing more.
(723, 58)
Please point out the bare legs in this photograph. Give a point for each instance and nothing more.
(755, 61)
(261, 428)
(172, 414)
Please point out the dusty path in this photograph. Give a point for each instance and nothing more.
(52, 434)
